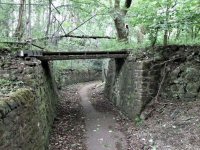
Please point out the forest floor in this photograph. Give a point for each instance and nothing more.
(68, 131)
(169, 125)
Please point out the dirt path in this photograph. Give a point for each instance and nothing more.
(81, 125)
(68, 131)
(101, 130)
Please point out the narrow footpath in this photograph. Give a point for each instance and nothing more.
(101, 129)
(80, 125)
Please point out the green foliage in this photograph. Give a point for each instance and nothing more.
(138, 121)
(150, 22)
(4, 82)
(5, 14)
(180, 19)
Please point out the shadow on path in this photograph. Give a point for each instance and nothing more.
(101, 130)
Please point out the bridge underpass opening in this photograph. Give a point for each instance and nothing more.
(76, 63)
(101, 130)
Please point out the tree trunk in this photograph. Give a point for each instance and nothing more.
(119, 16)
(5, 23)
(165, 41)
(197, 30)
(165, 38)
(153, 37)
(49, 19)
(122, 33)
(20, 26)
(29, 20)
(178, 32)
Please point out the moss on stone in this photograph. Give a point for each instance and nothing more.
(12, 104)
(4, 108)
(26, 115)
(23, 96)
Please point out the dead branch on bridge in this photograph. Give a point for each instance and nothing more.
(91, 37)
(76, 36)
(88, 37)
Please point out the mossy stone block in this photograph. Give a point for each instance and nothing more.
(4, 108)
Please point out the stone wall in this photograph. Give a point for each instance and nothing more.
(68, 77)
(131, 85)
(27, 112)
(182, 73)
(174, 70)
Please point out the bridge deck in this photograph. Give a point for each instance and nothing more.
(44, 55)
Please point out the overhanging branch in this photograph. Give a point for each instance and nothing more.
(75, 36)
(90, 37)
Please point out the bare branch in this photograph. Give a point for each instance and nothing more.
(89, 37)
(60, 24)
(81, 24)
(55, 7)
(58, 7)
(62, 36)
(75, 36)
(37, 46)
(68, 34)
(161, 84)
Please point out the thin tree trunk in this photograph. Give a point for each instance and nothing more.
(178, 33)
(29, 19)
(49, 19)
(20, 26)
(165, 39)
(153, 37)
(111, 3)
(6, 25)
(197, 30)
(192, 32)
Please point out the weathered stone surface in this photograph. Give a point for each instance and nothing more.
(133, 87)
(27, 114)
(68, 77)
(4, 108)
(138, 81)
(183, 82)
